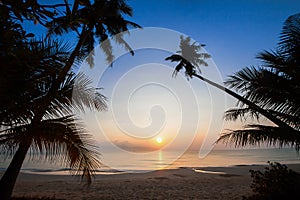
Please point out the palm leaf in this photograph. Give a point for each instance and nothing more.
(66, 138)
(62, 139)
(99, 20)
(75, 93)
(235, 113)
(290, 35)
(84, 94)
(255, 134)
(257, 85)
(26, 76)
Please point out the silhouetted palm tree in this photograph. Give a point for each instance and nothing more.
(275, 87)
(43, 120)
(191, 58)
(99, 19)
(58, 133)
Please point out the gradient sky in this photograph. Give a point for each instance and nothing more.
(234, 31)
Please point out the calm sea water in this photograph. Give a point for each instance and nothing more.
(141, 162)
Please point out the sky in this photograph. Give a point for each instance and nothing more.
(233, 30)
(143, 108)
(146, 103)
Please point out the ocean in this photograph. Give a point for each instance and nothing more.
(116, 162)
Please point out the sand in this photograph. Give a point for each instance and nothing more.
(184, 183)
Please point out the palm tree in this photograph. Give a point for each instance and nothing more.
(90, 21)
(191, 58)
(58, 133)
(275, 87)
(99, 19)
(46, 98)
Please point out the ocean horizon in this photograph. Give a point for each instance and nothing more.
(114, 163)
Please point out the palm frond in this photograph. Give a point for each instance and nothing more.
(88, 47)
(192, 52)
(242, 113)
(108, 50)
(119, 5)
(275, 88)
(61, 25)
(85, 94)
(76, 93)
(62, 139)
(272, 59)
(65, 138)
(175, 58)
(119, 39)
(178, 68)
(257, 85)
(290, 35)
(241, 81)
(255, 134)
(99, 20)
(291, 119)
(11, 137)
(26, 76)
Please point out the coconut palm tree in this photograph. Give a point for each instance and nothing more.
(99, 20)
(90, 20)
(43, 120)
(58, 134)
(191, 58)
(94, 22)
(275, 87)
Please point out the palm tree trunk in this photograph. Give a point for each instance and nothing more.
(252, 105)
(9, 178)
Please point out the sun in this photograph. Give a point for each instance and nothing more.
(159, 140)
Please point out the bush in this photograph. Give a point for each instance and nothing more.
(276, 182)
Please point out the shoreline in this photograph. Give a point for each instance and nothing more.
(182, 183)
(109, 171)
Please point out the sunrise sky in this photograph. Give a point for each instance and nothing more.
(147, 103)
(156, 136)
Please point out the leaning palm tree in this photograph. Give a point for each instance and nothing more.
(190, 58)
(58, 134)
(275, 87)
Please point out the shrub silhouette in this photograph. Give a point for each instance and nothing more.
(276, 182)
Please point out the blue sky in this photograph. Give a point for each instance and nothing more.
(234, 31)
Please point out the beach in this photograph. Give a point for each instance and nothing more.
(184, 183)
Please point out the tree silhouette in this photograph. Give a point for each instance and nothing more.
(191, 58)
(275, 87)
(58, 132)
(269, 91)
(38, 116)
